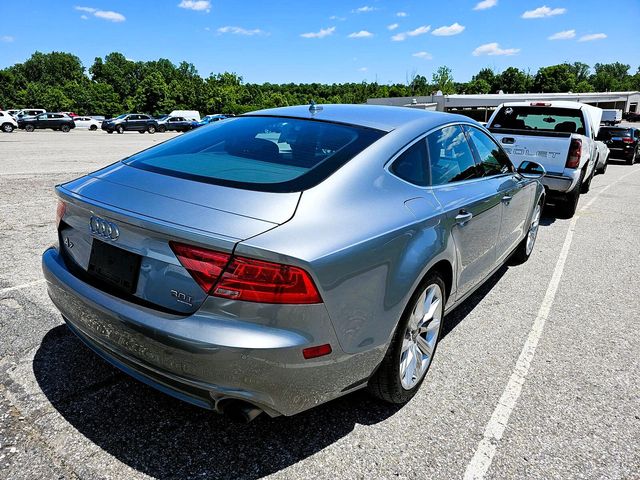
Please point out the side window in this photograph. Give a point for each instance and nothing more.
(450, 157)
(411, 165)
(493, 160)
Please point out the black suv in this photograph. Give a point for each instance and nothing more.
(54, 121)
(623, 142)
(130, 122)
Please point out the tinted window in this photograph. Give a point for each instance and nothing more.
(259, 153)
(607, 133)
(412, 164)
(493, 161)
(450, 156)
(550, 119)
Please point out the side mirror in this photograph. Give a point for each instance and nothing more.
(531, 169)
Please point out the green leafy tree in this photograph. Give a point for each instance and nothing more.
(443, 80)
(554, 79)
(478, 86)
(513, 80)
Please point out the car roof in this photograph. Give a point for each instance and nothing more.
(557, 104)
(379, 117)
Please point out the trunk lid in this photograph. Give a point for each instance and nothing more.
(148, 210)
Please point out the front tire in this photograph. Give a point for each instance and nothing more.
(120, 129)
(65, 128)
(162, 129)
(93, 128)
(524, 250)
(151, 129)
(414, 344)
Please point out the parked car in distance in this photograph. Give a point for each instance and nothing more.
(208, 119)
(201, 267)
(175, 124)
(71, 114)
(13, 112)
(603, 157)
(87, 122)
(632, 116)
(192, 115)
(54, 121)
(611, 116)
(30, 112)
(558, 135)
(130, 122)
(623, 142)
(7, 123)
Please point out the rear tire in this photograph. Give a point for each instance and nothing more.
(29, 128)
(65, 128)
(140, 131)
(120, 129)
(567, 208)
(151, 129)
(162, 129)
(93, 128)
(586, 183)
(7, 127)
(109, 131)
(414, 344)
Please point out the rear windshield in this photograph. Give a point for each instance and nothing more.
(607, 133)
(259, 153)
(548, 119)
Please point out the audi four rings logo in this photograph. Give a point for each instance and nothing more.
(103, 228)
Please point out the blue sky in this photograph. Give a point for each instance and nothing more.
(331, 40)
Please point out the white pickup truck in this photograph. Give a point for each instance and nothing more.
(558, 135)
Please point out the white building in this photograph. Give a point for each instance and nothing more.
(481, 106)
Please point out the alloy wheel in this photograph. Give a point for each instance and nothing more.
(421, 336)
(533, 229)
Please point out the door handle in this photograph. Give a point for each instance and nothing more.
(506, 199)
(463, 217)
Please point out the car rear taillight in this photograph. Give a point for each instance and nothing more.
(205, 266)
(60, 210)
(266, 282)
(239, 278)
(575, 152)
(627, 140)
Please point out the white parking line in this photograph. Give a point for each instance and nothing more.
(19, 287)
(483, 456)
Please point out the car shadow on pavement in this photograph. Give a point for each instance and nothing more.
(166, 438)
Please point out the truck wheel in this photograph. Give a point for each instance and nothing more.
(151, 129)
(586, 183)
(120, 129)
(603, 169)
(414, 343)
(65, 128)
(567, 208)
(29, 128)
(7, 127)
(162, 129)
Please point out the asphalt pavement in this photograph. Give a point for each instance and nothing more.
(536, 377)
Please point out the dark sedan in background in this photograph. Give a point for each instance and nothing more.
(130, 122)
(623, 142)
(54, 121)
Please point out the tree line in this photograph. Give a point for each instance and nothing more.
(58, 81)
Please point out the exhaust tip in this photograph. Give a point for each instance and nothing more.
(239, 411)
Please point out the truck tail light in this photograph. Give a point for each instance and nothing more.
(239, 278)
(575, 152)
(540, 104)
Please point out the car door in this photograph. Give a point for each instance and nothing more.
(472, 205)
(517, 193)
(132, 123)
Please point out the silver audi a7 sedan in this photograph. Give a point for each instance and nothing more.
(277, 260)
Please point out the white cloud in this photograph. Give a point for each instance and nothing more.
(197, 5)
(393, 26)
(336, 17)
(399, 37)
(564, 35)
(543, 11)
(103, 14)
(494, 49)
(240, 31)
(423, 55)
(364, 9)
(484, 4)
(361, 34)
(109, 15)
(593, 36)
(324, 32)
(6, 39)
(447, 31)
(363, 69)
(401, 14)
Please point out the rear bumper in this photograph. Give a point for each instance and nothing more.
(204, 358)
(561, 183)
